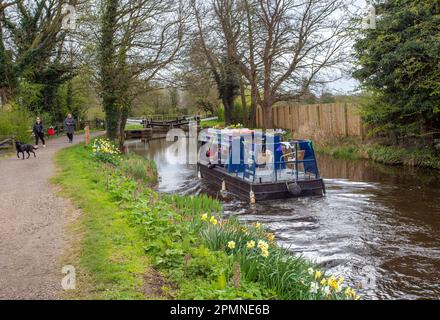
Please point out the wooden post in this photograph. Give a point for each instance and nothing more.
(319, 116)
(346, 124)
(87, 135)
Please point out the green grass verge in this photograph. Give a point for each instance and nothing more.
(111, 250)
(340, 150)
(134, 127)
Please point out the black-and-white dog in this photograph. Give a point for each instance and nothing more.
(22, 148)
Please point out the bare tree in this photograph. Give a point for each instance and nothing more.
(281, 46)
(250, 67)
(218, 29)
(146, 37)
(196, 79)
(290, 44)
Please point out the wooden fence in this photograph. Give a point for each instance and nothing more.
(337, 120)
(6, 143)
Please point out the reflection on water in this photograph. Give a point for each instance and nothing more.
(379, 226)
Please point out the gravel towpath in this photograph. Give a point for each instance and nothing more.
(32, 226)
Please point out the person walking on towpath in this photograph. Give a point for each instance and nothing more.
(39, 132)
(69, 127)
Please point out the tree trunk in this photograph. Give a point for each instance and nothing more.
(107, 67)
(228, 104)
(267, 116)
(4, 96)
(254, 104)
(111, 117)
(7, 76)
(122, 124)
(253, 115)
(245, 114)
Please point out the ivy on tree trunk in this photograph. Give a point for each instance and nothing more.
(108, 67)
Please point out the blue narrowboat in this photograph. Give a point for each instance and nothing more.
(258, 166)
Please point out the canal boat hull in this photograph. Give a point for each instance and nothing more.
(261, 191)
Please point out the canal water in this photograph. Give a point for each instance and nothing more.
(378, 226)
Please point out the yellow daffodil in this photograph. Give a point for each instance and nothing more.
(231, 245)
(270, 237)
(334, 284)
(331, 281)
(250, 244)
(258, 225)
(318, 275)
(205, 217)
(324, 282)
(213, 220)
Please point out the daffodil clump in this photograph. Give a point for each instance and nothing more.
(330, 288)
(106, 151)
(262, 260)
(253, 236)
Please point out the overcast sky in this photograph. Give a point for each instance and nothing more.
(344, 86)
(348, 84)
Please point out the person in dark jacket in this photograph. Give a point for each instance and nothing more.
(39, 132)
(69, 127)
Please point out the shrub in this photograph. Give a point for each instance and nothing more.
(403, 156)
(16, 122)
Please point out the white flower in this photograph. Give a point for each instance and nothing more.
(326, 290)
(314, 287)
(311, 271)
